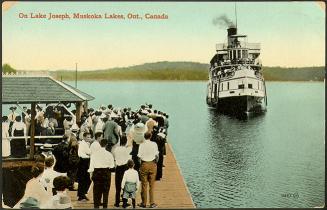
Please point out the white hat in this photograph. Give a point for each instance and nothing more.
(145, 112)
(103, 115)
(74, 128)
(139, 130)
(113, 115)
(161, 135)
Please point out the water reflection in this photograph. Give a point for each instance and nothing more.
(234, 152)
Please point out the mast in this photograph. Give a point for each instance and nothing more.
(75, 75)
(235, 15)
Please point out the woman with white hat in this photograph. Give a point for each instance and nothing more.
(5, 137)
(137, 132)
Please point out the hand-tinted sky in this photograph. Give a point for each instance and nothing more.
(290, 33)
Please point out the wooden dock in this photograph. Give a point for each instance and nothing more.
(170, 192)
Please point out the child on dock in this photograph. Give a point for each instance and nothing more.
(130, 184)
(61, 200)
(49, 175)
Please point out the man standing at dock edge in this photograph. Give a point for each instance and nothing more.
(148, 153)
(101, 163)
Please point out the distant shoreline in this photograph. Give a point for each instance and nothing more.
(184, 71)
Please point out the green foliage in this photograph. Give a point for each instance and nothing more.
(6, 68)
(294, 74)
(186, 71)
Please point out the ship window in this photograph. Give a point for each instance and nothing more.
(222, 86)
(227, 85)
(250, 86)
(238, 53)
(241, 86)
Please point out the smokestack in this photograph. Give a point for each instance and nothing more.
(232, 31)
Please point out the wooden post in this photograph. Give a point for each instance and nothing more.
(32, 129)
(85, 106)
(78, 112)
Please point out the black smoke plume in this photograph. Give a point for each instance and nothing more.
(223, 21)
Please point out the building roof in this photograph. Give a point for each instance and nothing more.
(40, 89)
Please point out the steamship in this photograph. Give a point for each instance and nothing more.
(236, 83)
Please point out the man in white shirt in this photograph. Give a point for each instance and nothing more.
(148, 153)
(83, 177)
(100, 165)
(95, 146)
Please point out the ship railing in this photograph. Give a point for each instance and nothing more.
(242, 44)
(232, 68)
(221, 46)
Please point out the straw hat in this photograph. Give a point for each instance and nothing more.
(139, 130)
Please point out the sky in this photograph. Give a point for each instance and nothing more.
(292, 34)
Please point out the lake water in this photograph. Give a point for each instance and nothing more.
(273, 160)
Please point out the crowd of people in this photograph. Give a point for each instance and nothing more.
(106, 140)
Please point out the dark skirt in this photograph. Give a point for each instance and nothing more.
(18, 146)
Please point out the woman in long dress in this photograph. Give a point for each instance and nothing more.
(5, 137)
(18, 146)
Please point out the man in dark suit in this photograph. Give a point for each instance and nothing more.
(110, 132)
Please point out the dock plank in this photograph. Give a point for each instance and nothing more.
(170, 192)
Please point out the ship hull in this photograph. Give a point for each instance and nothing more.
(239, 104)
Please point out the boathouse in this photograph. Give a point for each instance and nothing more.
(33, 90)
